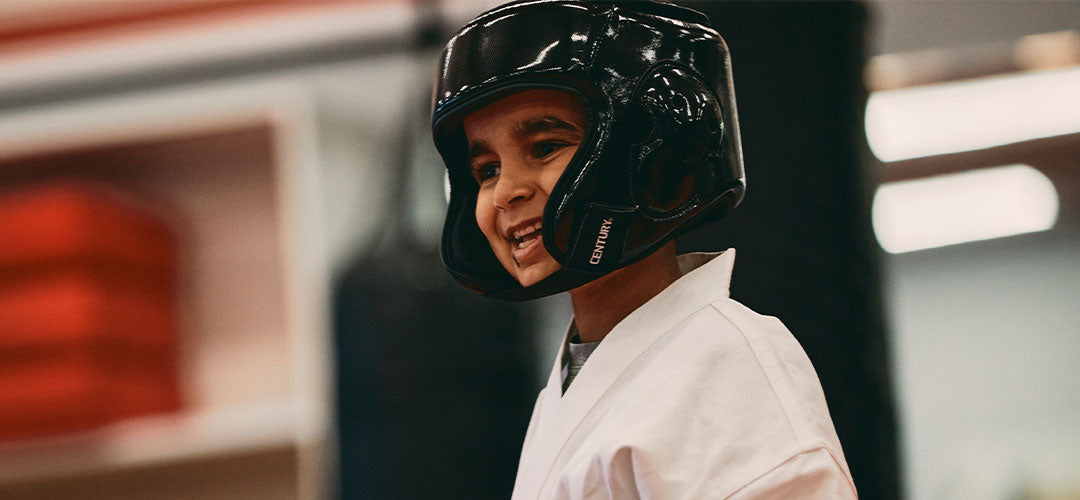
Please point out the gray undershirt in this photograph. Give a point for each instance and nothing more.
(576, 355)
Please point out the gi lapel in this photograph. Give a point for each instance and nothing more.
(632, 337)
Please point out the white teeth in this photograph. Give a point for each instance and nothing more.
(521, 233)
(523, 244)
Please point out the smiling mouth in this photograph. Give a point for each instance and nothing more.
(526, 236)
(523, 241)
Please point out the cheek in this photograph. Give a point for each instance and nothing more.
(485, 215)
(550, 178)
(556, 169)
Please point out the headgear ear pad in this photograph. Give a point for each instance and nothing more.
(685, 116)
(661, 150)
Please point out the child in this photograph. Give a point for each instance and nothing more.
(580, 138)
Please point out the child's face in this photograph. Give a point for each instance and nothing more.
(518, 148)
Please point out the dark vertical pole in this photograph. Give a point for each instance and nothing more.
(805, 248)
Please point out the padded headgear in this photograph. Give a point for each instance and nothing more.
(661, 152)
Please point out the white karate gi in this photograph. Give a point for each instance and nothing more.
(692, 396)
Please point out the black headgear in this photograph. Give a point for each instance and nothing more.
(661, 151)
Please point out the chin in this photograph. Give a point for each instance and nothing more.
(537, 272)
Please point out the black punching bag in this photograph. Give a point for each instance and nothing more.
(805, 248)
(435, 384)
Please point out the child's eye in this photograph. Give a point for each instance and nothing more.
(485, 171)
(542, 149)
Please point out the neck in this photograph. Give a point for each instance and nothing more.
(601, 304)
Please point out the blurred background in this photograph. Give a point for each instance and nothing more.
(219, 224)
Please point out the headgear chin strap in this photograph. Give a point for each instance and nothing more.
(661, 151)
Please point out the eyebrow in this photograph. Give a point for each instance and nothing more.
(533, 126)
(478, 148)
(526, 128)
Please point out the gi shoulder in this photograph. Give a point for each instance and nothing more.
(791, 377)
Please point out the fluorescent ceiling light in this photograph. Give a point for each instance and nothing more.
(973, 114)
(957, 208)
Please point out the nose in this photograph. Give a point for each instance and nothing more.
(513, 186)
